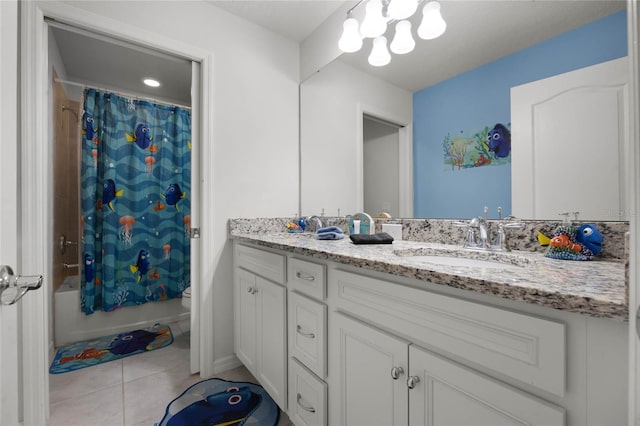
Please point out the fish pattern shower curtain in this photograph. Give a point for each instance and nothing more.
(136, 176)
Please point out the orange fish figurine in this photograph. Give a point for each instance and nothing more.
(564, 241)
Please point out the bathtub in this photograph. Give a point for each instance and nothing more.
(72, 325)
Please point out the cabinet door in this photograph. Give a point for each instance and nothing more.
(448, 394)
(367, 393)
(245, 319)
(272, 341)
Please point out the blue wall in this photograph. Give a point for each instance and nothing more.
(467, 103)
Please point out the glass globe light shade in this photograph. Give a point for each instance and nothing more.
(403, 41)
(374, 23)
(379, 55)
(432, 25)
(402, 9)
(350, 41)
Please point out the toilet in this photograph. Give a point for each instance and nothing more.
(186, 299)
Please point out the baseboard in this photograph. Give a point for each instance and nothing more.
(226, 363)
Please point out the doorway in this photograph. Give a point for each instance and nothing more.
(381, 153)
(35, 176)
(385, 150)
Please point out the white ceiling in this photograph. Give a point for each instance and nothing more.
(478, 32)
(115, 65)
(294, 20)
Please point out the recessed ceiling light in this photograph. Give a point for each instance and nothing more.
(151, 82)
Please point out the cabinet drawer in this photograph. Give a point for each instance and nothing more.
(266, 264)
(307, 278)
(526, 348)
(307, 397)
(308, 331)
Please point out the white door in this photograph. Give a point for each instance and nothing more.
(371, 386)
(23, 394)
(589, 106)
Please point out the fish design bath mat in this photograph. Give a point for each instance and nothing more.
(220, 402)
(109, 348)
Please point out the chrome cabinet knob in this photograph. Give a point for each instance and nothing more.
(396, 372)
(412, 381)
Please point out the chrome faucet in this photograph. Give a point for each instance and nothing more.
(500, 242)
(317, 220)
(483, 232)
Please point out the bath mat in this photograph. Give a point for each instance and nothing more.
(220, 402)
(109, 348)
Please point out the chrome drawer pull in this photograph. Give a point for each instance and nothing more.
(305, 277)
(396, 372)
(302, 333)
(304, 407)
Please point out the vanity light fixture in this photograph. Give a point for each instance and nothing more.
(151, 82)
(378, 14)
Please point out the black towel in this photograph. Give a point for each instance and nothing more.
(380, 238)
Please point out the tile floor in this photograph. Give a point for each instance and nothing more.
(131, 391)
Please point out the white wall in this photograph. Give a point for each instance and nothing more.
(381, 168)
(332, 102)
(255, 128)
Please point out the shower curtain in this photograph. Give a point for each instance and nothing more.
(135, 201)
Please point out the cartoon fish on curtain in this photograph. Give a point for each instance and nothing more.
(135, 248)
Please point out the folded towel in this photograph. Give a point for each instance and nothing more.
(330, 229)
(331, 235)
(380, 238)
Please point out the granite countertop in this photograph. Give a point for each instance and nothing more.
(595, 288)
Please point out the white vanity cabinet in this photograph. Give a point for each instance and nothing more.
(260, 320)
(342, 346)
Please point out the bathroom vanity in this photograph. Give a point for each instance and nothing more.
(394, 334)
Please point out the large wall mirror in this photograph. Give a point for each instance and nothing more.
(446, 96)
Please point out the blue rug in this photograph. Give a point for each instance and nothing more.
(220, 402)
(110, 348)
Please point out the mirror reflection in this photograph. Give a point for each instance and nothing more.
(452, 103)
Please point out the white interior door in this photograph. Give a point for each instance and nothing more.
(9, 377)
(589, 105)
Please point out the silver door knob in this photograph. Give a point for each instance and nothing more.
(412, 381)
(13, 287)
(396, 372)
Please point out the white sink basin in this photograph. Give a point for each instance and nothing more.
(457, 257)
(463, 262)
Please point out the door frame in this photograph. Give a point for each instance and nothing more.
(35, 185)
(633, 205)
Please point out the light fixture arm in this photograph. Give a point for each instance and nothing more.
(385, 8)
